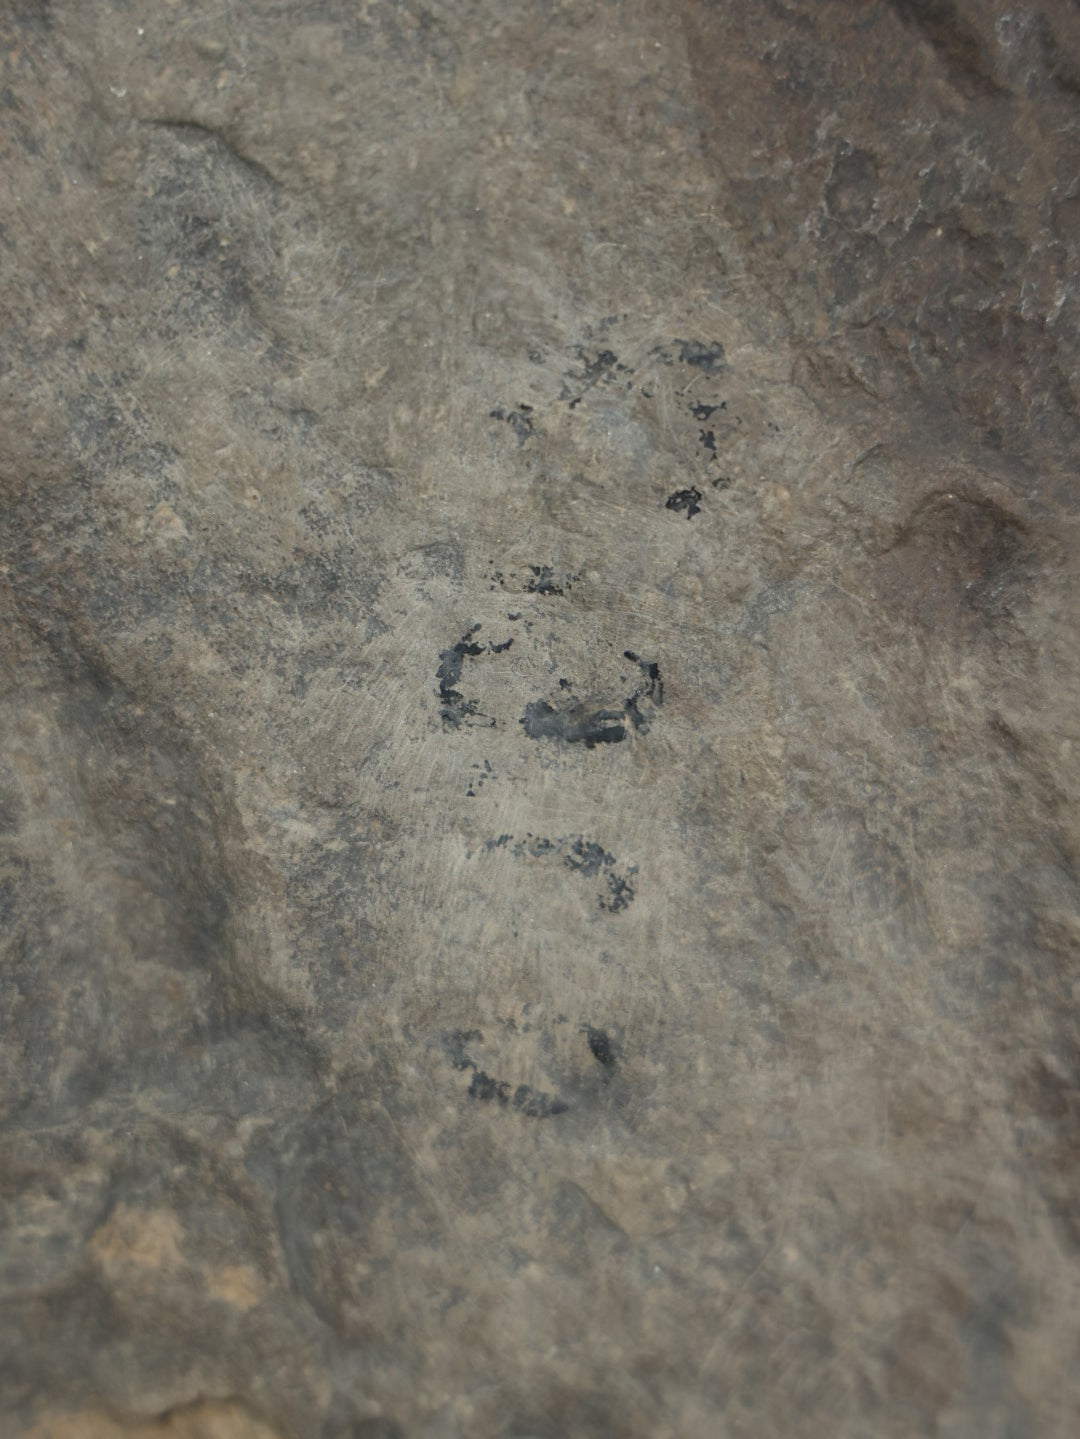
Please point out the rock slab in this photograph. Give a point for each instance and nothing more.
(538, 765)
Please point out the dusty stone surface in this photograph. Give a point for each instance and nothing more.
(539, 719)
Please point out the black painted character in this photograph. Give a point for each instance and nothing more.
(687, 500)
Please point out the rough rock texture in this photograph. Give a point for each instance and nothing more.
(540, 704)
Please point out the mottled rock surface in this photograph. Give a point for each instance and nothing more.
(540, 717)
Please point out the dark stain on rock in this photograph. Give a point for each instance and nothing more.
(532, 1103)
(456, 1046)
(653, 687)
(579, 724)
(543, 581)
(540, 580)
(602, 368)
(588, 857)
(688, 500)
(650, 689)
(454, 707)
(575, 725)
(535, 1104)
(519, 418)
(709, 358)
(482, 1086)
(484, 772)
(584, 857)
(703, 412)
(621, 892)
(601, 1046)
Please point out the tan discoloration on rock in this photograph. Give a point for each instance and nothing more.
(143, 1246)
(238, 1285)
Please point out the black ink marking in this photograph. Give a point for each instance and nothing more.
(574, 726)
(636, 718)
(584, 857)
(685, 500)
(455, 707)
(543, 582)
(600, 370)
(540, 580)
(484, 1087)
(484, 772)
(622, 892)
(519, 419)
(704, 412)
(533, 1103)
(653, 687)
(708, 441)
(709, 358)
(601, 1046)
(587, 857)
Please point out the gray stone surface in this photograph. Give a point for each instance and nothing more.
(540, 706)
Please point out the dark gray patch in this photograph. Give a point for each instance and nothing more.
(532, 1103)
(601, 1046)
(575, 725)
(454, 708)
(706, 357)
